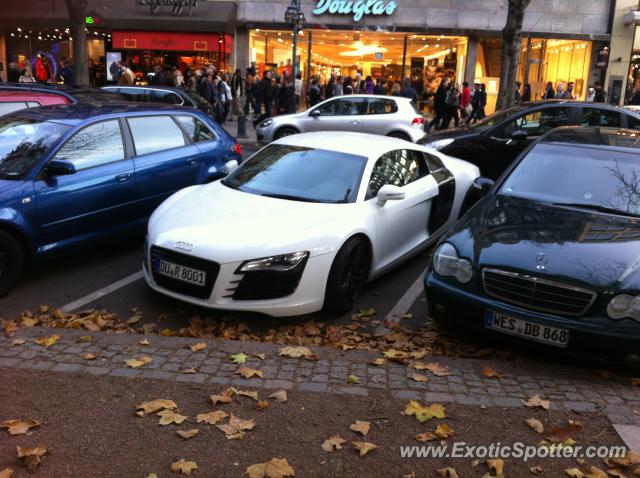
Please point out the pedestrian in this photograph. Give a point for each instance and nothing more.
(482, 101)
(517, 96)
(347, 86)
(250, 91)
(635, 98)
(591, 93)
(225, 95)
(526, 93)
(264, 98)
(329, 90)
(570, 91)
(465, 101)
(408, 91)
(439, 105)
(237, 94)
(452, 106)
(358, 84)
(158, 78)
(549, 93)
(287, 96)
(276, 83)
(178, 78)
(368, 85)
(396, 89)
(43, 68)
(561, 93)
(380, 88)
(338, 89)
(192, 78)
(27, 77)
(67, 73)
(315, 92)
(599, 94)
(298, 87)
(127, 76)
(13, 74)
(251, 69)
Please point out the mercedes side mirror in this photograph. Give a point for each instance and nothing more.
(314, 114)
(482, 186)
(389, 192)
(519, 135)
(60, 167)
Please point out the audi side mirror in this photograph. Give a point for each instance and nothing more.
(389, 192)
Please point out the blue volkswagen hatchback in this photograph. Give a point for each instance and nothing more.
(75, 173)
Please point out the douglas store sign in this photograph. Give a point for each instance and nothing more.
(357, 8)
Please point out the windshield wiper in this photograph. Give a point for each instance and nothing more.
(596, 207)
(290, 197)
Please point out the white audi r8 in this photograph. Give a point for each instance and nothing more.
(304, 223)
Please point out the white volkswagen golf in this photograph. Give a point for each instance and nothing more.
(304, 223)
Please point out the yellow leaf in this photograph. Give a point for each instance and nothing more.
(238, 358)
(134, 319)
(360, 427)
(6, 473)
(595, 472)
(536, 470)
(418, 354)
(212, 417)
(448, 472)
(225, 398)
(168, 417)
(236, 427)
(443, 431)
(574, 473)
(19, 427)
(535, 425)
(153, 406)
(496, 468)
(48, 341)
(262, 404)
(246, 393)
(333, 443)
(435, 368)
(138, 362)
(424, 413)
(18, 342)
(183, 467)
(188, 433)
(152, 475)
(352, 379)
(143, 342)
(616, 473)
(418, 377)
(377, 362)
(89, 356)
(247, 372)
(488, 372)
(84, 338)
(280, 396)
(425, 437)
(32, 457)
(396, 355)
(536, 402)
(364, 447)
(197, 347)
(297, 352)
(274, 468)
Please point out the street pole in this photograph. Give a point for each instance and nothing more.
(294, 63)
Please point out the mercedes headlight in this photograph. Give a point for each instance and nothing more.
(282, 263)
(438, 145)
(265, 123)
(624, 306)
(447, 263)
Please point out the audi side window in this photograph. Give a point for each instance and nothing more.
(152, 134)
(433, 162)
(600, 117)
(96, 145)
(196, 129)
(398, 168)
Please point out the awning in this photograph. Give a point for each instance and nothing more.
(170, 41)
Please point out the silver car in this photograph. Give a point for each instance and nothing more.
(385, 115)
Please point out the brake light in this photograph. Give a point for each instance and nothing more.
(417, 121)
(237, 149)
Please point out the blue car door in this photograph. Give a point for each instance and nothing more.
(211, 147)
(165, 160)
(98, 196)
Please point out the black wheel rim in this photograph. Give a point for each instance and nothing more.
(354, 275)
(284, 133)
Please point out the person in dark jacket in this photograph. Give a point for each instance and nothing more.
(380, 88)
(329, 90)
(13, 74)
(287, 96)
(549, 93)
(315, 92)
(600, 95)
(368, 85)
(67, 73)
(452, 106)
(439, 105)
(264, 98)
(517, 96)
(158, 78)
(347, 86)
(526, 93)
(408, 91)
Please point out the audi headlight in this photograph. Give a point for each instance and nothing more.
(265, 123)
(438, 145)
(624, 306)
(447, 263)
(282, 263)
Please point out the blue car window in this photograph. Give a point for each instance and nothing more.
(196, 129)
(155, 133)
(95, 145)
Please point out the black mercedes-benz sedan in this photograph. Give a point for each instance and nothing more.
(551, 253)
(495, 142)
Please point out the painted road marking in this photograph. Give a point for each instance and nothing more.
(81, 302)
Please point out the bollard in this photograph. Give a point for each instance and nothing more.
(242, 126)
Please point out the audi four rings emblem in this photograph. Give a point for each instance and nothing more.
(541, 261)
(184, 246)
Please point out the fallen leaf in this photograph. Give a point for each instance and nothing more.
(536, 470)
(448, 472)
(262, 404)
(224, 398)
(559, 434)
(418, 377)
(238, 358)
(352, 379)
(280, 396)
(143, 342)
(84, 338)
(418, 354)
(18, 342)
(443, 431)
(364, 447)
(595, 472)
(183, 467)
(189, 370)
(135, 319)
(360, 427)
(297, 352)
(32, 457)
(138, 362)
(246, 393)
(212, 417)
(333, 443)
(574, 473)
(377, 362)
(247, 372)
(488, 372)
(19, 427)
(153, 406)
(274, 468)
(535, 425)
(397, 356)
(188, 433)
(197, 347)
(425, 437)
(496, 468)
(89, 356)
(411, 474)
(635, 382)
(48, 341)
(260, 356)
(6, 473)
(364, 313)
(616, 473)
(437, 369)
(536, 402)
(167, 417)
(424, 413)
(152, 475)
(236, 427)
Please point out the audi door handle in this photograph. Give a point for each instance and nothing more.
(123, 178)
(192, 162)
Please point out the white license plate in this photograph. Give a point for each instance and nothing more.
(185, 274)
(529, 330)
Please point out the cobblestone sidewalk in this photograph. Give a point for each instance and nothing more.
(566, 387)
